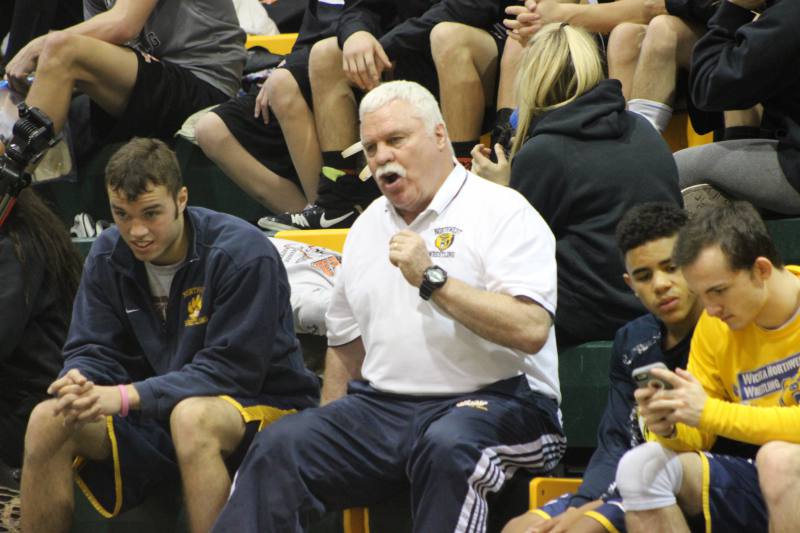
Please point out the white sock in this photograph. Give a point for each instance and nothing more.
(656, 113)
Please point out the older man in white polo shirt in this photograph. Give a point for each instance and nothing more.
(441, 322)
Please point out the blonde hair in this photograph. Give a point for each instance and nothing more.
(560, 63)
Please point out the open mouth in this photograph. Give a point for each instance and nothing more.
(390, 177)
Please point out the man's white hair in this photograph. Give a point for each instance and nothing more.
(420, 99)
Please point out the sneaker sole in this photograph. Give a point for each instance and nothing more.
(271, 225)
(702, 197)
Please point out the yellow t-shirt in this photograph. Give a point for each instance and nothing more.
(752, 378)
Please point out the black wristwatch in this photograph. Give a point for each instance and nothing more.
(433, 278)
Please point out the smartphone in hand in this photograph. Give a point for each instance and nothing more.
(644, 378)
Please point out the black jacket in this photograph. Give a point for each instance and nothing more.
(741, 62)
(33, 326)
(582, 168)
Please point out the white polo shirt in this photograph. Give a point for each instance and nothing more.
(483, 234)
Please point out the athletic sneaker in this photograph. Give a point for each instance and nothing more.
(701, 197)
(312, 217)
(86, 228)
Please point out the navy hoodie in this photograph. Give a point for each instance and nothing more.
(583, 167)
(229, 327)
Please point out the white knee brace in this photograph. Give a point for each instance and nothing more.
(648, 477)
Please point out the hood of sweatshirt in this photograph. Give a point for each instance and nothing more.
(597, 114)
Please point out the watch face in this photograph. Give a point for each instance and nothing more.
(436, 275)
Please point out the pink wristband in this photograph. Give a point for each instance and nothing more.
(125, 402)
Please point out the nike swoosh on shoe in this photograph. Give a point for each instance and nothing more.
(327, 223)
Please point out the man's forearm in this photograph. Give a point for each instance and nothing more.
(342, 363)
(602, 18)
(498, 318)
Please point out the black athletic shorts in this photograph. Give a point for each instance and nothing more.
(163, 97)
(265, 142)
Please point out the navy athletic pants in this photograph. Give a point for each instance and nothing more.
(369, 445)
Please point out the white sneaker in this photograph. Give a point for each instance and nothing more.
(86, 228)
(702, 197)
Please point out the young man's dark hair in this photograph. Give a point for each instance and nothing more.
(738, 230)
(140, 165)
(648, 222)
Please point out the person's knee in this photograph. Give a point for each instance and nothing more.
(58, 50)
(325, 59)
(661, 38)
(449, 45)
(625, 41)
(200, 425)
(648, 477)
(447, 450)
(44, 428)
(211, 133)
(283, 92)
(778, 465)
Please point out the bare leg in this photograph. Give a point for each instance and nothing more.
(744, 117)
(778, 471)
(104, 71)
(667, 46)
(509, 65)
(466, 64)
(335, 108)
(299, 129)
(523, 522)
(268, 188)
(205, 431)
(47, 476)
(624, 47)
(671, 519)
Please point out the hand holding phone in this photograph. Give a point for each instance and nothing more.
(644, 377)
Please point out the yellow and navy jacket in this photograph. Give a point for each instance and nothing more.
(228, 329)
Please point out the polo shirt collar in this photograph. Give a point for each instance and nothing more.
(449, 189)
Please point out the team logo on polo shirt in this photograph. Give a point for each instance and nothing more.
(194, 308)
(444, 240)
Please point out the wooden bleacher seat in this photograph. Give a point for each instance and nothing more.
(680, 134)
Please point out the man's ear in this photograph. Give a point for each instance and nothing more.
(442, 140)
(762, 268)
(182, 199)
(629, 282)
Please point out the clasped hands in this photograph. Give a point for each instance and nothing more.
(80, 401)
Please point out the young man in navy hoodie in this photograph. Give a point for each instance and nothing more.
(645, 237)
(181, 346)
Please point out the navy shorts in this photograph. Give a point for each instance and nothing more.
(731, 500)
(611, 514)
(143, 456)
